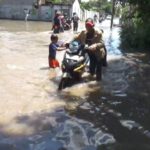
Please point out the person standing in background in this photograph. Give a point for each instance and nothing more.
(61, 19)
(75, 19)
(96, 48)
(56, 23)
(95, 19)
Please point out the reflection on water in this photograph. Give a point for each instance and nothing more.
(21, 26)
(111, 114)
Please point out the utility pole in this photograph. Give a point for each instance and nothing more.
(113, 12)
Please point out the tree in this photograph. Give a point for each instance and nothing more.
(97, 5)
(61, 1)
(136, 22)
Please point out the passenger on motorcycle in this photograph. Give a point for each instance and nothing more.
(96, 50)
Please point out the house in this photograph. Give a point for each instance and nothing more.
(42, 10)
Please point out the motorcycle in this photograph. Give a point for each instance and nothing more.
(73, 65)
(67, 24)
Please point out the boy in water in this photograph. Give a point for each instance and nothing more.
(53, 47)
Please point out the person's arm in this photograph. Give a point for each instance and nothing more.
(95, 46)
(61, 48)
(98, 43)
(79, 36)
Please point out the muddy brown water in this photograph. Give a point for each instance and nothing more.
(113, 114)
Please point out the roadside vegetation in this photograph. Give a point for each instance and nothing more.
(60, 1)
(101, 6)
(135, 21)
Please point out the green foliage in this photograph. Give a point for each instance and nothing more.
(54, 1)
(136, 25)
(60, 1)
(107, 7)
(97, 5)
(86, 5)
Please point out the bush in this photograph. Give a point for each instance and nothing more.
(135, 31)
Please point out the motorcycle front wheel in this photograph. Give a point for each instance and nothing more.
(62, 84)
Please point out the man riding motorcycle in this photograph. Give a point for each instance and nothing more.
(96, 50)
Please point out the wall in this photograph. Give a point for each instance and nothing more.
(18, 9)
(76, 9)
(17, 2)
(83, 14)
(43, 12)
(90, 14)
(13, 12)
(63, 9)
(46, 13)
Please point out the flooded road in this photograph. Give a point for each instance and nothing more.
(111, 114)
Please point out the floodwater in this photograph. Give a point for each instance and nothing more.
(113, 114)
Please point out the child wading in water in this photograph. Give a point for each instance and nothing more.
(53, 47)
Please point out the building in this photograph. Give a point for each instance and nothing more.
(31, 9)
(41, 10)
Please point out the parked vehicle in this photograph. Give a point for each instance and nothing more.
(67, 24)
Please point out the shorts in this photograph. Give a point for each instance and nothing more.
(53, 63)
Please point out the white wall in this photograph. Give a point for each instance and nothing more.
(83, 14)
(90, 14)
(76, 8)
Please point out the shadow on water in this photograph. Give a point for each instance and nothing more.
(111, 116)
(29, 26)
(123, 114)
(44, 68)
